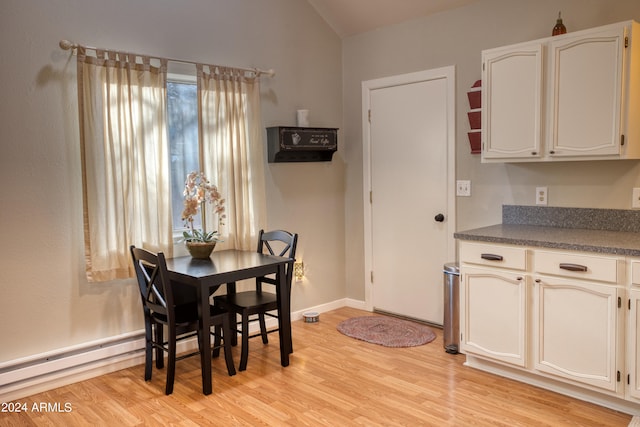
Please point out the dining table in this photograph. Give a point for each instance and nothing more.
(228, 267)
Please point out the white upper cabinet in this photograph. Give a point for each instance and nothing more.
(512, 106)
(569, 97)
(585, 93)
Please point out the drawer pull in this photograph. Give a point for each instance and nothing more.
(573, 267)
(491, 257)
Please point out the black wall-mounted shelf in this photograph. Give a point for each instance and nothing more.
(296, 144)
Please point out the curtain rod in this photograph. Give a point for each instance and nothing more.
(67, 45)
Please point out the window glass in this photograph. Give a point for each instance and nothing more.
(182, 109)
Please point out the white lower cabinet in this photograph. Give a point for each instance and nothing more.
(575, 331)
(633, 330)
(563, 319)
(633, 345)
(493, 312)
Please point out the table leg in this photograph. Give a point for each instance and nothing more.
(205, 351)
(284, 315)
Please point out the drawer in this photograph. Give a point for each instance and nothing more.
(590, 267)
(513, 257)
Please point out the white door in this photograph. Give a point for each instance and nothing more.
(409, 207)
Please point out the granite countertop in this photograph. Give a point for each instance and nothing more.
(601, 241)
(609, 231)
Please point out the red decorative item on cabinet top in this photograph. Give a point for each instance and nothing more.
(559, 28)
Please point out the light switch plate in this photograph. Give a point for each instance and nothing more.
(463, 188)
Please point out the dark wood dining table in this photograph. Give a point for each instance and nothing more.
(228, 267)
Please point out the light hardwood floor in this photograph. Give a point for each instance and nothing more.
(332, 380)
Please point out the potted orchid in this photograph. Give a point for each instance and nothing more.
(198, 191)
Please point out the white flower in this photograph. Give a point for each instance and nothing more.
(197, 191)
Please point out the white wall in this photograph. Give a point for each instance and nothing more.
(45, 301)
(457, 37)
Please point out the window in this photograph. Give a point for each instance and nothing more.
(225, 112)
(182, 117)
(130, 163)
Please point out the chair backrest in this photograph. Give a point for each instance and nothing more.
(154, 283)
(280, 243)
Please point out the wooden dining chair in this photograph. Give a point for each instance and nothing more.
(180, 320)
(254, 305)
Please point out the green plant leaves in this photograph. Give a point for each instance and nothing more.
(200, 236)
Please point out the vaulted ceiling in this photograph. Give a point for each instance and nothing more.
(350, 17)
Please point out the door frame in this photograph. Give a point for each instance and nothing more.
(447, 73)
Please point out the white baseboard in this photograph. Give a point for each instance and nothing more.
(30, 375)
(334, 305)
(361, 305)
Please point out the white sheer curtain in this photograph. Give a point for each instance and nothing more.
(126, 178)
(232, 150)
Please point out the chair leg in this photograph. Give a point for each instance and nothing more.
(200, 339)
(159, 352)
(217, 334)
(171, 361)
(228, 357)
(148, 349)
(233, 322)
(263, 328)
(244, 354)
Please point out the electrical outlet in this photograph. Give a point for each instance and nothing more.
(463, 188)
(635, 201)
(541, 196)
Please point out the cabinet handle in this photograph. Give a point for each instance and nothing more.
(491, 257)
(573, 267)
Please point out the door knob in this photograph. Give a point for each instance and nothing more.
(439, 217)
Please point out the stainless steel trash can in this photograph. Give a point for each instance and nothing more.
(451, 324)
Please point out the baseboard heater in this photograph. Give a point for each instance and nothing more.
(34, 374)
(27, 376)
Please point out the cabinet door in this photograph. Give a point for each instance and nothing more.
(493, 314)
(575, 330)
(633, 344)
(585, 83)
(512, 102)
